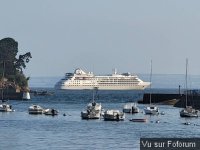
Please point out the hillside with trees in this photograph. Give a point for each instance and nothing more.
(12, 65)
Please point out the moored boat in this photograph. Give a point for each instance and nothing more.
(188, 111)
(139, 120)
(113, 115)
(6, 108)
(131, 108)
(93, 111)
(50, 111)
(35, 109)
(151, 110)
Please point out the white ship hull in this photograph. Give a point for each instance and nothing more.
(79, 80)
(137, 87)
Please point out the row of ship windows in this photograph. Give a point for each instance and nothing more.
(103, 78)
(78, 81)
(119, 81)
(104, 85)
(101, 84)
(107, 80)
(107, 83)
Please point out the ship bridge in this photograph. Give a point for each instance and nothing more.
(81, 72)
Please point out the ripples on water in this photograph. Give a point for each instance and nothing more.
(21, 131)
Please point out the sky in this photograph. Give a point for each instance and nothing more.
(98, 36)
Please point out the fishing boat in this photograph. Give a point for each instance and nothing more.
(131, 108)
(6, 108)
(50, 111)
(188, 111)
(35, 109)
(113, 115)
(151, 109)
(93, 109)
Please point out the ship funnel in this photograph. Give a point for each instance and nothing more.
(115, 71)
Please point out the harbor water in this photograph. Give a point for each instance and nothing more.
(20, 130)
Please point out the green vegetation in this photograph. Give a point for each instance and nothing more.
(12, 67)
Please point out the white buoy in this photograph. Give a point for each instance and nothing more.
(26, 96)
(187, 123)
(157, 121)
(162, 113)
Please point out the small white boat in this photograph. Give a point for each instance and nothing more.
(35, 109)
(6, 108)
(131, 108)
(50, 111)
(151, 110)
(93, 111)
(113, 115)
(189, 112)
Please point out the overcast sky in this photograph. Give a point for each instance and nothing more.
(99, 35)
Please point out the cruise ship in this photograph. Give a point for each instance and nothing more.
(81, 80)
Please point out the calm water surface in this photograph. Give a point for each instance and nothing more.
(21, 131)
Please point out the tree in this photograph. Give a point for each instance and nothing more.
(10, 65)
(22, 60)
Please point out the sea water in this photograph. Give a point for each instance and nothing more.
(22, 131)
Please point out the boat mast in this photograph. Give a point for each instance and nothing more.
(2, 80)
(150, 82)
(186, 94)
(93, 95)
(93, 89)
